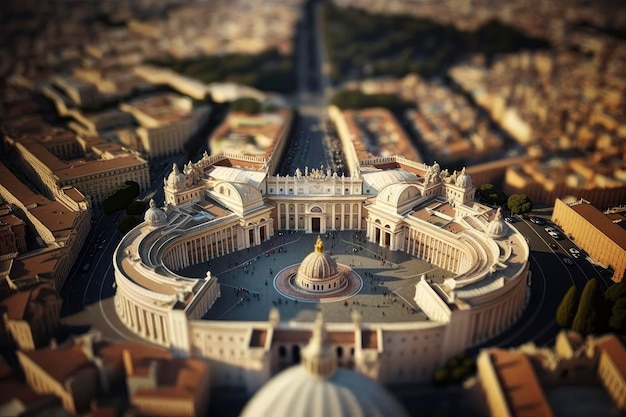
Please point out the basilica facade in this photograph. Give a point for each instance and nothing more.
(221, 205)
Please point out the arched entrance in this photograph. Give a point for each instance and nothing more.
(316, 224)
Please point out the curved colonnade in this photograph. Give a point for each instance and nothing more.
(487, 292)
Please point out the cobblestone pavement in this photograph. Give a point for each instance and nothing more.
(246, 280)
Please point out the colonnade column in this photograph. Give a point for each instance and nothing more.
(343, 216)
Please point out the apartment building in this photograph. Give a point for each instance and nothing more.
(12, 234)
(52, 173)
(370, 133)
(68, 373)
(594, 179)
(157, 384)
(61, 226)
(167, 386)
(561, 380)
(30, 313)
(166, 122)
(595, 232)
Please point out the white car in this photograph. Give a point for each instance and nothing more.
(575, 252)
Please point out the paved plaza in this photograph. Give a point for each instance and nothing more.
(247, 280)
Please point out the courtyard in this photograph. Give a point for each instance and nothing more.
(248, 292)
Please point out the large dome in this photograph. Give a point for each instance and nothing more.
(317, 388)
(318, 265)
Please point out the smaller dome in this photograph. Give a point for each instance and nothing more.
(154, 216)
(497, 227)
(464, 180)
(176, 180)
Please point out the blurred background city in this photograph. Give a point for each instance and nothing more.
(102, 102)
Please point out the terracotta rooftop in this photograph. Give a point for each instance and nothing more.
(41, 264)
(601, 222)
(60, 363)
(11, 220)
(58, 218)
(74, 194)
(520, 385)
(177, 378)
(13, 388)
(77, 168)
(15, 305)
(340, 337)
(141, 353)
(282, 336)
(611, 346)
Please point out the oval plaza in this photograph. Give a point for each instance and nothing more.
(406, 267)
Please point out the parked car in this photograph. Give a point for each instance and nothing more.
(575, 252)
(510, 219)
(555, 235)
(568, 261)
(538, 220)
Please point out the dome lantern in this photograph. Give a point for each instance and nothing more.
(317, 357)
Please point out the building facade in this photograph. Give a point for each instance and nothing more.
(214, 209)
(93, 178)
(531, 380)
(166, 122)
(30, 314)
(62, 226)
(594, 232)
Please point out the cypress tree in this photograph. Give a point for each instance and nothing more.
(567, 309)
(585, 321)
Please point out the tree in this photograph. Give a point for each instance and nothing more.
(519, 203)
(120, 197)
(355, 99)
(589, 309)
(127, 223)
(567, 309)
(248, 105)
(492, 195)
(617, 322)
(441, 377)
(136, 208)
(615, 292)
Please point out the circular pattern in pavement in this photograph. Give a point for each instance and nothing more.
(284, 285)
